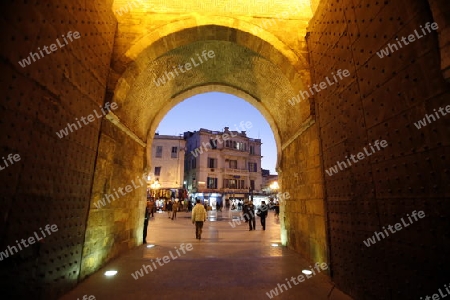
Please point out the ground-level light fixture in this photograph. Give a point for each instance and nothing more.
(274, 245)
(110, 273)
(150, 246)
(307, 272)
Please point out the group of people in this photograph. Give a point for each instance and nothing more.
(248, 210)
(199, 215)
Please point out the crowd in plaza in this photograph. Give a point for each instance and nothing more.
(199, 211)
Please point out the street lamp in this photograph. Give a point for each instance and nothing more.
(274, 187)
(155, 185)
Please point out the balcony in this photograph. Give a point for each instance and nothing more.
(234, 171)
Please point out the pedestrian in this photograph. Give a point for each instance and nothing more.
(262, 213)
(151, 207)
(169, 208)
(251, 216)
(198, 217)
(174, 210)
(277, 210)
(146, 218)
(245, 211)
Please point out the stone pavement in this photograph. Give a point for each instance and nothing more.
(227, 263)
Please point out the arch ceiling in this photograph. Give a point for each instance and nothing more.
(250, 61)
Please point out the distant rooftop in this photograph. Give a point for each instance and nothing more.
(168, 137)
(188, 134)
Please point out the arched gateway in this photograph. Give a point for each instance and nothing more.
(356, 94)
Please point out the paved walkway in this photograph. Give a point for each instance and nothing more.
(227, 263)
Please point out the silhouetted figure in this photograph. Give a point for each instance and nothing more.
(174, 210)
(245, 211)
(169, 208)
(263, 210)
(251, 216)
(146, 218)
(277, 210)
(151, 207)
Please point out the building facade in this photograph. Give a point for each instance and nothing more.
(167, 153)
(222, 166)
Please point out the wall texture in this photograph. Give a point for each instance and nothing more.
(381, 100)
(51, 184)
(304, 228)
(116, 215)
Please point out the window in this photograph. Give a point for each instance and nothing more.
(252, 149)
(213, 144)
(159, 151)
(240, 184)
(174, 152)
(157, 171)
(241, 146)
(212, 162)
(252, 184)
(252, 167)
(211, 183)
(236, 145)
(233, 184)
(233, 164)
(194, 163)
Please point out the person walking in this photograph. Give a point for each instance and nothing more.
(151, 207)
(262, 213)
(245, 211)
(198, 217)
(251, 216)
(174, 210)
(146, 219)
(277, 210)
(169, 208)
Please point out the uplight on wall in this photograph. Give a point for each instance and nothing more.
(110, 273)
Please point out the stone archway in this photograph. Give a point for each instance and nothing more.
(264, 72)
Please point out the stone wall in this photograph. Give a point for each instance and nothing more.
(381, 100)
(118, 200)
(303, 226)
(441, 15)
(51, 184)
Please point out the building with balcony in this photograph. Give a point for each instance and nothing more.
(222, 166)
